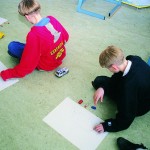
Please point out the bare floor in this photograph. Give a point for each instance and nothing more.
(25, 104)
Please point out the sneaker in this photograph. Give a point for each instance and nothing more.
(124, 144)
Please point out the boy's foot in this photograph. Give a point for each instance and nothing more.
(124, 144)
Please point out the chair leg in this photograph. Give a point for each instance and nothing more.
(79, 9)
(118, 5)
(80, 3)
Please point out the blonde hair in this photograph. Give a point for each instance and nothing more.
(111, 55)
(27, 7)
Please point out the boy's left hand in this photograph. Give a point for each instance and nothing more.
(99, 128)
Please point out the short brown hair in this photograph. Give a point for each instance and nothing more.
(111, 55)
(27, 7)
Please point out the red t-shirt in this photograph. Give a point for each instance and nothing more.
(42, 50)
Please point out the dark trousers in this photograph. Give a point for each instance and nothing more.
(110, 89)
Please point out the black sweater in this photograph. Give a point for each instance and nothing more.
(131, 92)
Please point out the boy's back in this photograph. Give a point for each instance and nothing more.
(52, 50)
(45, 43)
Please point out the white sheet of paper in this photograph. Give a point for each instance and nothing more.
(76, 124)
(5, 84)
(3, 20)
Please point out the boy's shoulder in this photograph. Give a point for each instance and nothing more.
(132, 57)
(135, 59)
(51, 17)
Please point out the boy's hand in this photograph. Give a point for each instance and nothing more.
(98, 95)
(99, 128)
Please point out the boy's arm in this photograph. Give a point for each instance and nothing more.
(127, 107)
(28, 62)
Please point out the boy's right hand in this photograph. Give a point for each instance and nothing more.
(98, 95)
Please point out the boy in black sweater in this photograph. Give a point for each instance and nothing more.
(129, 87)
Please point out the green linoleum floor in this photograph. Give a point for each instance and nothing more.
(25, 104)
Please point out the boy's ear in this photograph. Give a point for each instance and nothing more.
(27, 17)
(115, 67)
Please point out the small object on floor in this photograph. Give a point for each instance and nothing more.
(61, 72)
(148, 61)
(1, 35)
(124, 144)
(2, 21)
(80, 101)
(86, 105)
(93, 107)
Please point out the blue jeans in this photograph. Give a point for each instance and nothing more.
(15, 49)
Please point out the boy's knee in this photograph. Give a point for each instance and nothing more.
(99, 80)
(95, 83)
(11, 48)
(15, 49)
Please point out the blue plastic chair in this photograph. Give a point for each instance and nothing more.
(80, 3)
(148, 61)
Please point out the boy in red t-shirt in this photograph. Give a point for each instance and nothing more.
(45, 43)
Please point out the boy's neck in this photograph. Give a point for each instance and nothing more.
(38, 18)
(123, 66)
